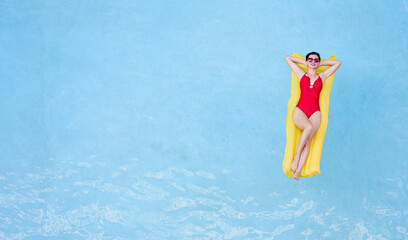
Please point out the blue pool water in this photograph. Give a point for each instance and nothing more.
(166, 120)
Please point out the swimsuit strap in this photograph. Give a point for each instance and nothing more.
(315, 80)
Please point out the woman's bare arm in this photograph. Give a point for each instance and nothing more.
(295, 68)
(335, 64)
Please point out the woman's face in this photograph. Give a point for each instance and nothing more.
(311, 61)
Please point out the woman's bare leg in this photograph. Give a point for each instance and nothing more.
(296, 159)
(302, 159)
(303, 123)
(315, 120)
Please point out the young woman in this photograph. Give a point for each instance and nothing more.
(306, 115)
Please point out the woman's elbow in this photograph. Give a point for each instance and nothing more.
(338, 62)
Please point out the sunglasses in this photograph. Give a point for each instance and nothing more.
(311, 59)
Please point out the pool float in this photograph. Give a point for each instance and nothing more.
(312, 165)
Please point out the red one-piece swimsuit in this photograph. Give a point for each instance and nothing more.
(309, 95)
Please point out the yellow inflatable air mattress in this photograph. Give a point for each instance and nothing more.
(312, 165)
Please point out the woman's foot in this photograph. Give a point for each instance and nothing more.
(296, 175)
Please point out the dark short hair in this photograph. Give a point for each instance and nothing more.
(316, 53)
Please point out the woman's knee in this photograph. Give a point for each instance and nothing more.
(308, 128)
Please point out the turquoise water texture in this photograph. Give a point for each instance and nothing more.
(166, 120)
